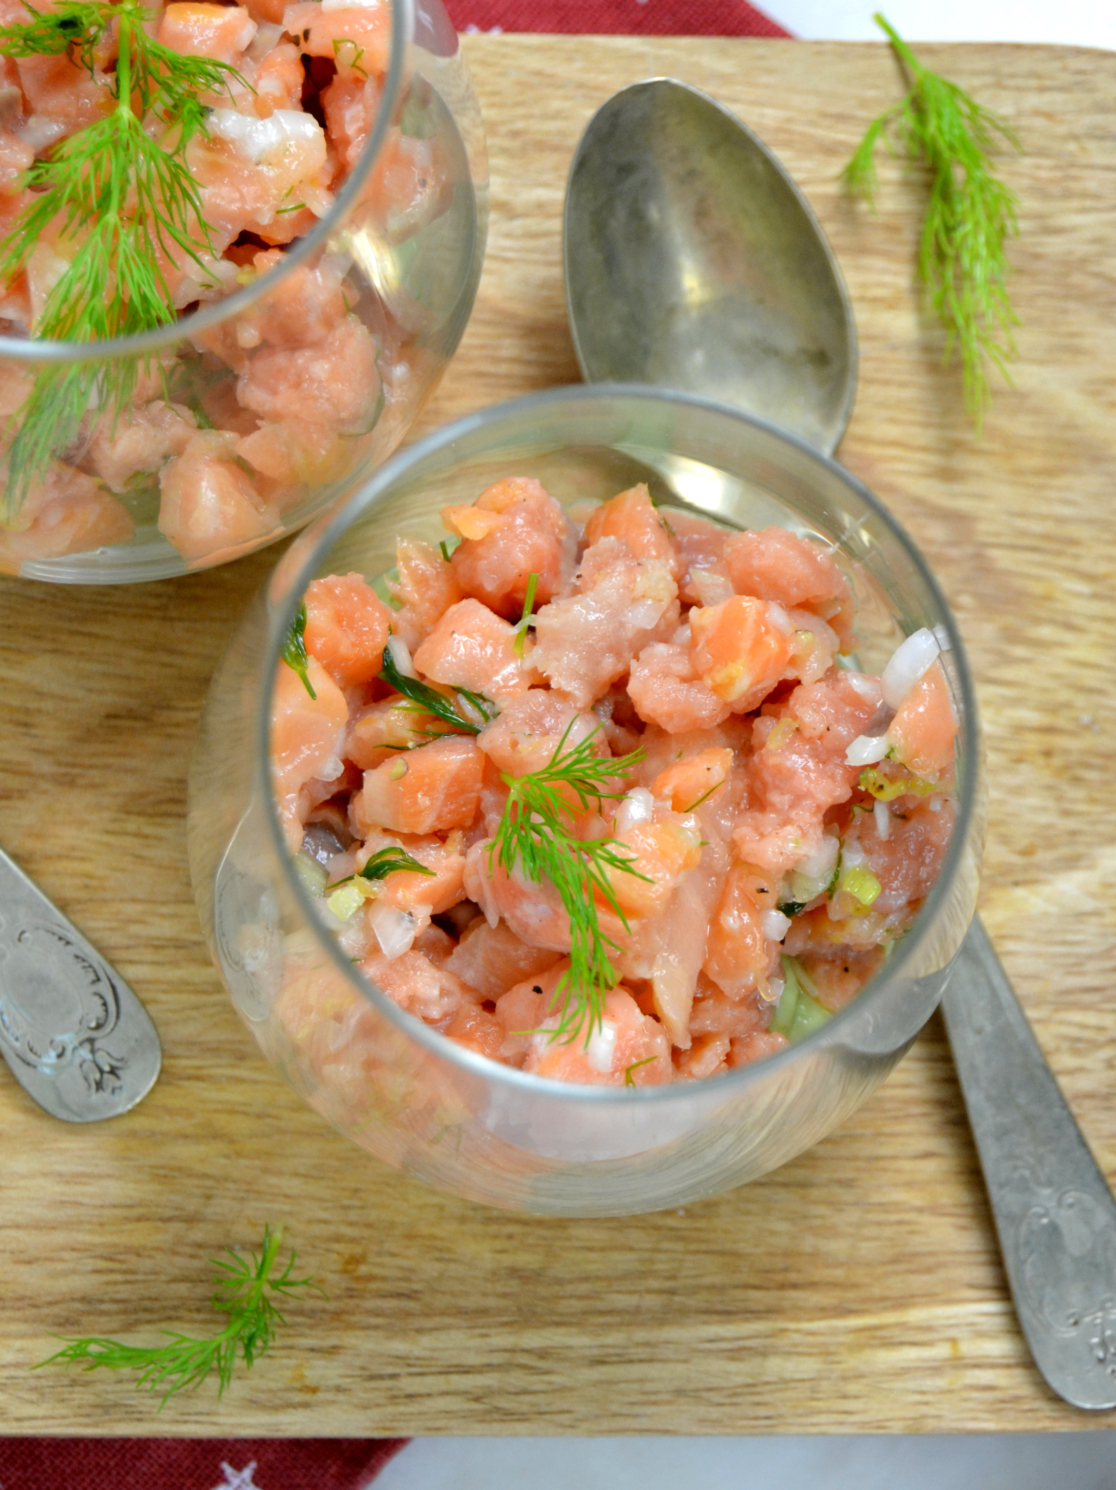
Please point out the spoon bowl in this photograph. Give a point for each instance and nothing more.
(694, 262)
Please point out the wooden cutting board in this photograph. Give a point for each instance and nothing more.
(859, 1288)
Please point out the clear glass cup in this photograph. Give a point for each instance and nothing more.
(399, 254)
(400, 1089)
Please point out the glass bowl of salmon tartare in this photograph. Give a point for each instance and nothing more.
(586, 818)
(238, 246)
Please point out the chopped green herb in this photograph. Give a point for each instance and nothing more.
(535, 834)
(245, 1294)
(444, 546)
(294, 649)
(525, 619)
(646, 1061)
(792, 907)
(962, 261)
(430, 701)
(383, 862)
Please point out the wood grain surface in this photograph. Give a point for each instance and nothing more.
(857, 1289)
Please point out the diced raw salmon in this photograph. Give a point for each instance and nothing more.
(346, 627)
(379, 732)
(714, 1013)
(140, 440)
(357, 36)
(534, 911)
(431, 789)
(627, 1042)
(755, 1046)
(530, 729)
(924, 729)
(16, 154)
(473, 648)
(738, 955)
(278, 80)
(334, 384)
(693, 779)
(666, 689)
(425, 590)
(533, 536)
(67, 512)
(777, 565)
(631, 516)
(585, 641)
(838, 979)
(477, 1030)
(740, 648)
(209, 507)
(57, 89)
(416, 985)
(659, 850)
(706, 1057)
(294, 455)
(350, 104)
(266, 10)
(700, 545)
(305, 306)
(435, 892)
(909, 860)
(196, 29)
(305, 740)
(525, 1007)
(492, 959)
(409, 184)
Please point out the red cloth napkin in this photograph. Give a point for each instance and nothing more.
(193, 1463)
(340, 1463)
(615, 17)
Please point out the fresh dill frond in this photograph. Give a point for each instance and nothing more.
(245, 1293)
(428, 700)
(120, 197)
(294, 649)
(383, 862)
(635, 1065)
(536, 834)
(962, 259)
(528, 609)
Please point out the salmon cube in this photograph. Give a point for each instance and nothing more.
(738, 955)
(659, 851)
(705, 1057)
(67, 512)
(414, 983)
(533, 536)
(755, 1046)
(305, 736)
(347, 627)
(631, 515)
(627, 1042)
(432, 789)
(473, 648)
(352, 37)
(693, 779)
(492, 959)
(334, 383)
(477, 1030)
(139, 440)
(424, 591)
(379, 732)
(777, 565)
(740, 648)
(525, 1007)
(700, 545)
(350, 103)
(408, 889)
(666, 690)
(924, 729)
(530, 729)
(195, 29)
(209, 506)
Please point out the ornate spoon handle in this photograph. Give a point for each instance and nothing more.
(1055, 1214)
(76, 1037)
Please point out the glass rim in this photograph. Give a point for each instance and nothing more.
(725, 1084)
(45, 351)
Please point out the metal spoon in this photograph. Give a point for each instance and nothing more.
(693, 261)
(76, 1037)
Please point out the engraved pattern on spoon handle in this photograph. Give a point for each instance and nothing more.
(73, 1033)
(1055, 1214)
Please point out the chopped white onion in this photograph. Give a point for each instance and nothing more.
(395, 929)
(401, 656)
(868, 688)
(908, 663)
(882, 814)
(820, 863)
(943, 638)
(709, 587)
(774, 925)
(779, 615)
(866, 750)
(771, 991)
(637, 807)
(257, 138)
(267, 34)
(602, 1046)
(40, 130)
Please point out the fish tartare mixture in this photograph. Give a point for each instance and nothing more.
(222, 439)
(608, 802)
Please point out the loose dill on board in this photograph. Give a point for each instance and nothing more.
(245, 1293)
(535, 834)
(127, 204)
(970, 215)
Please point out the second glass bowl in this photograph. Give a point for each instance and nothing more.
(400, 1089)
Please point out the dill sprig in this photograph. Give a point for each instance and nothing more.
(962, 260)
(528, 613)
(383, 862)
(245, 1293)
(125, 202)
(535, 833)
(294, 649)
(427, 700)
